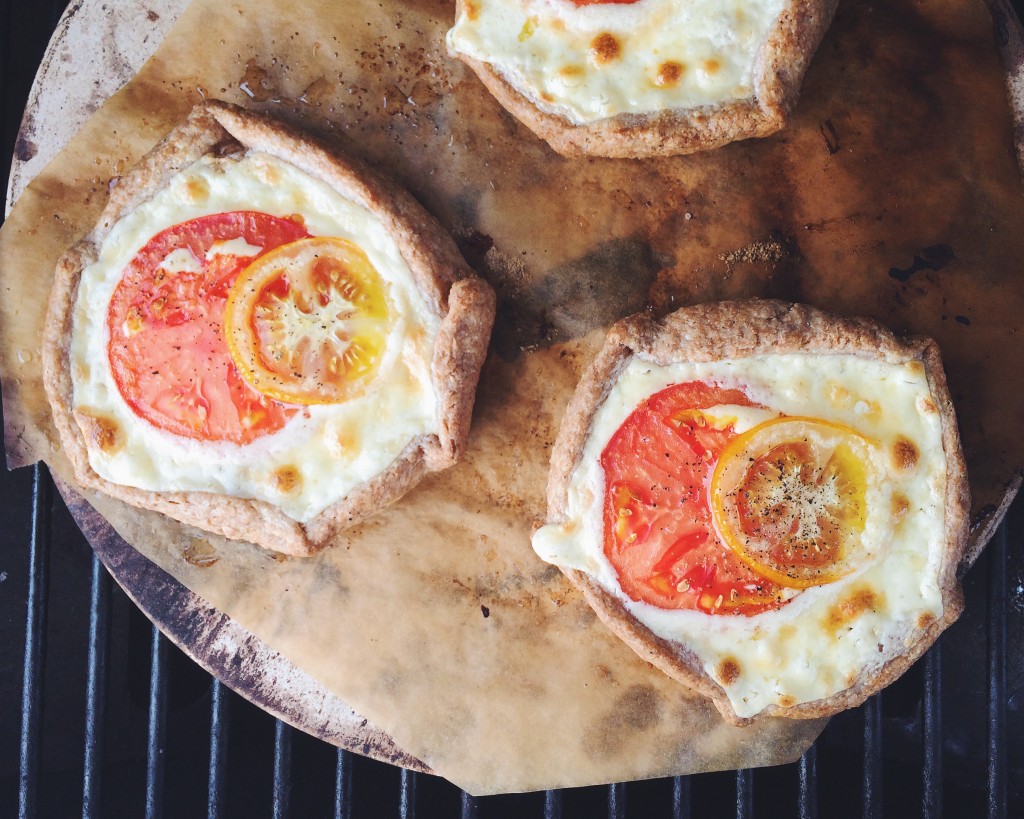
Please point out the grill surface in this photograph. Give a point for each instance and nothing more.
(99, 714)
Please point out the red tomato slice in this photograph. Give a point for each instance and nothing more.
(166, 345)
(659, 535)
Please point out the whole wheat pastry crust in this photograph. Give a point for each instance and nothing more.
(779, 69)
(463, 302)
(736, 330)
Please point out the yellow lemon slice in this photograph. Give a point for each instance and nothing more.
(308, 322)
(789, 497)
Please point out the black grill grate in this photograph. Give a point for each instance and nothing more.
(35, 636)
(142, 731)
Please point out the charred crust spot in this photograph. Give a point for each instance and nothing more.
(605, 48)
(861, 599)
(925, 620)
(669, 74)
(286, 479)
(904, 454)
(101, 431)
(728, 671)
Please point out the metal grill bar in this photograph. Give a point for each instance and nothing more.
(96, 687)
(745, 794)
(218, 749)
(282, 769)
(35, 644)
(552, 805)
(808, 799)
(681, 806)
(469, 807)
(997, 675)
(872, 782)
(617, 801)
(343, 785)
(407, 797)
(156, 740)
(931, 807)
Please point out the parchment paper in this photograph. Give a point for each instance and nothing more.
(894, 194)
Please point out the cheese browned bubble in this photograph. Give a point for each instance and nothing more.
(587, 63)
(826, 637)
(323, 451)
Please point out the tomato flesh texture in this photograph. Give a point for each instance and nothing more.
(357, 361)
(769, 510)
(166, 345)
(803, 506)
(659, 535)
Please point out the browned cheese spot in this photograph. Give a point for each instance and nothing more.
(928, 405)
(904, 454)
(196, 189)
(916, 367)
(101, 431)
(861, 599)
(900, 507)
(472, 9)
(571, 70)
(840, 395)
(712, 66)
(728, 671)
(925, 619)
(544, 95)
(605, 48)
(669, 74)
(297, 218)
(787, 701)
(286, 479)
